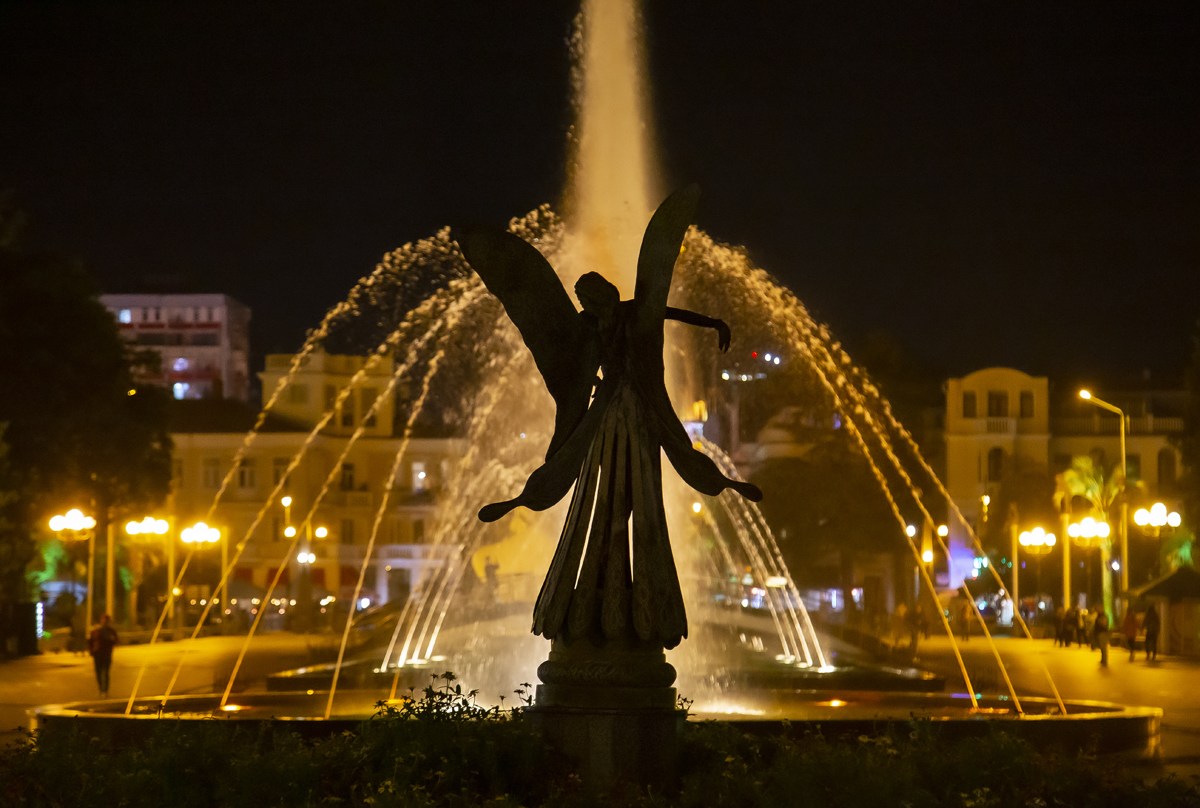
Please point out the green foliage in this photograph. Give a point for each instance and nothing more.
(77, 438)
(445, 750)
(1189, 441)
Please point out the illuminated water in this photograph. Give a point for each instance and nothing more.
(423, 305)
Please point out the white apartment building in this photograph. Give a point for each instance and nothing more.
(204, 341)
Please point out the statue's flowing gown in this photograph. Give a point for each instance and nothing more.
(604, 582)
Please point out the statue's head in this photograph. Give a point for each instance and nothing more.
(596, 295)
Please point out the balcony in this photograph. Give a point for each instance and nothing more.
(990, 426)
(1109, 425)
(1001, 426)
(353, 553)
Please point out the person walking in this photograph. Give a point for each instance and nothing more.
(1129, 627)
(1151, 623)
(101, 642)
(1100, 636)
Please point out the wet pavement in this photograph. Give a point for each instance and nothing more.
(1170, 683)
(54, 678)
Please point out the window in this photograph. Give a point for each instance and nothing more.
(1026, 404)
(212, 472)
(1166, 468)
(347, 476)
(1133, 467)
(246, 473)
(995, 464)
(969, 404)
(330, 397)
(347, 531)
(279, 466)
(298, 394)
(367, 398)
(177, 472)
(125, 316)
(157, 314)
(418, 531)
(210, 314)
(204, 339)
(276, 528)
(997, 404)
(195, 314)
(348, 411)
(418, 476)
(180, 390)
(145, 315)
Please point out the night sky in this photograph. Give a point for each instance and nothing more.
(991, 183)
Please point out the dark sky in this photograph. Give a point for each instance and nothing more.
(992, 183)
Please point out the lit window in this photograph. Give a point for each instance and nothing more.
(125, 316)
(418, 477)
(180, 390)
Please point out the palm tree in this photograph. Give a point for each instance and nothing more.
(1086, 478)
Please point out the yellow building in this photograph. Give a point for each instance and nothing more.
(208, 434)
(998, 417)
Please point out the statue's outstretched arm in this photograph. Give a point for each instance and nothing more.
(692, 318)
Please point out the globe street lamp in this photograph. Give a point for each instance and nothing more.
(1037, 543)
(1123, 533)
(75, 522)
(1086, 531)
(1154, 520)
(201, 535)
(151, 527)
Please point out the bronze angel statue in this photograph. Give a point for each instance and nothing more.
(608, 431)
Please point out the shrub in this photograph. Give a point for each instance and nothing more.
(443, 749)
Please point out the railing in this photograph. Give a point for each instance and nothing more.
(353, 553)
(1001, 426)
(1109, 425)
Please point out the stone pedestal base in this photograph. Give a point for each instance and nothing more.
(612, 710)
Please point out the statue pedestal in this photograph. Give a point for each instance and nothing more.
(612, 710)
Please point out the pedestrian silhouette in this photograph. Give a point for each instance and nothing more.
(1152, 624)
(101, 642)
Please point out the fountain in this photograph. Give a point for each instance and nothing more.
(424, 305)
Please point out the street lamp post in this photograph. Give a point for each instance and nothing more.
(1123, 528)
(201, 534)
(1085, 531)
(147, 527)
(1037, 543)
(75, 522)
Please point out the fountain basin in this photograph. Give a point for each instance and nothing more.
(1100, 726)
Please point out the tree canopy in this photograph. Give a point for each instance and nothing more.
(79, 432)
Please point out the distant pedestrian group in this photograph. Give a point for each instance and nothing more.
(1074, 624)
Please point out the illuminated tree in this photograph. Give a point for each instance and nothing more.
(1087, 479)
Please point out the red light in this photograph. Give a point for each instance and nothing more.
(754, 354)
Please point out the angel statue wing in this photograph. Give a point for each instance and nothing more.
(534, 299)
(656, 263)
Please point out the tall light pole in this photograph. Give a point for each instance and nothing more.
(1123, 532)
(76, 522)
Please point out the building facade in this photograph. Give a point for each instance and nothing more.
(203, 340)
(998, 417)
(341, 524)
